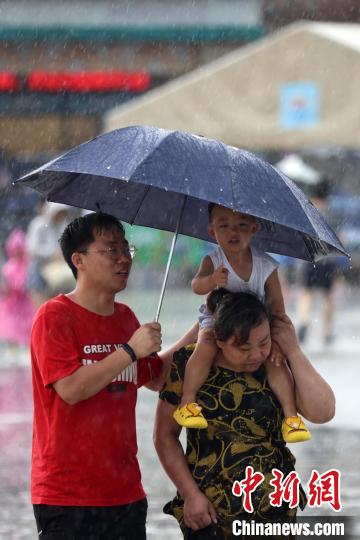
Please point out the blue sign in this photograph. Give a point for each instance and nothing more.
(299, 105)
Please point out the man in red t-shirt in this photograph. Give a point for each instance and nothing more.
(89, 356)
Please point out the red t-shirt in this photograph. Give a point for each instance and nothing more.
(84, 454)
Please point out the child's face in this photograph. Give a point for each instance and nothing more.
(232, 231)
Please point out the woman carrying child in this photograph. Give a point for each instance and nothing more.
(244, 418)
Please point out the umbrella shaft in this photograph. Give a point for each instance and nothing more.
(169, 260)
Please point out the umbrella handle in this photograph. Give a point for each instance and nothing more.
(169, 259)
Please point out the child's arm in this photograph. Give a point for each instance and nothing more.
(275, 303)
(207, 278)
(273, 295)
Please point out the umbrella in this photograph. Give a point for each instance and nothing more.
(165, 179)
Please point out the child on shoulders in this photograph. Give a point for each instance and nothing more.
(237, 266)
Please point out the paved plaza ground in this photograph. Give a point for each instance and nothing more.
(333, 446)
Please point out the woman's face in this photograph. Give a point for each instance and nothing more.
(250, 355)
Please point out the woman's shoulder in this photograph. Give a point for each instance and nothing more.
(172, 389)
(180, 359)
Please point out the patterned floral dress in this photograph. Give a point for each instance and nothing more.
(244, 418)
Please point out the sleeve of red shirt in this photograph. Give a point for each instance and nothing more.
(54, 348)
(148, 369)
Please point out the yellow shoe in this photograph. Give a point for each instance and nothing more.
(190, 416)
(294, 430)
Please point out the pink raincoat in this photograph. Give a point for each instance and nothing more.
(16, 307)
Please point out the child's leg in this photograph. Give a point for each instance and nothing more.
(189, 414)
(281, 382)
(198, 366)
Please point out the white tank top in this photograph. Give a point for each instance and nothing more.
(262, 266)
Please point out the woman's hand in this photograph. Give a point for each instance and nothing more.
(198, 511)
(283, 332)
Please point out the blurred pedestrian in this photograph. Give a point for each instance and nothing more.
(16, 307)
(42, 241)
(318, 277)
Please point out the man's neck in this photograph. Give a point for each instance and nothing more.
(98, 302)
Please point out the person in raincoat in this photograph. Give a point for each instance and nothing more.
(16, 307)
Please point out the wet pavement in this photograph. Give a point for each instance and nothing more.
(335, 445)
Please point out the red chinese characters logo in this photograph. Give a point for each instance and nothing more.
(286, 489)
(325, 488)
(247, 486)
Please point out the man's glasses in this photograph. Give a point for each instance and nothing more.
(115, 252)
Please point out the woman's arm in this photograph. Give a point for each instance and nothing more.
(315, 399)
(198, 510)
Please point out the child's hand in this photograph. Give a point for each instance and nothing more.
(276, 355)
(220, 276)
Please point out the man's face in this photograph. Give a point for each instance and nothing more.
(106, 263)
(232, 230)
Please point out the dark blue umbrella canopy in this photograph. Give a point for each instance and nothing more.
(144, 175)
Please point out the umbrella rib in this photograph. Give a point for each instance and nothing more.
(140, 205)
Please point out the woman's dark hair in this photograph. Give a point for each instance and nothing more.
(236, 314)
(79, 234)
(214, 297)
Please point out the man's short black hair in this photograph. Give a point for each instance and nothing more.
(236, 314)
(79, 234)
